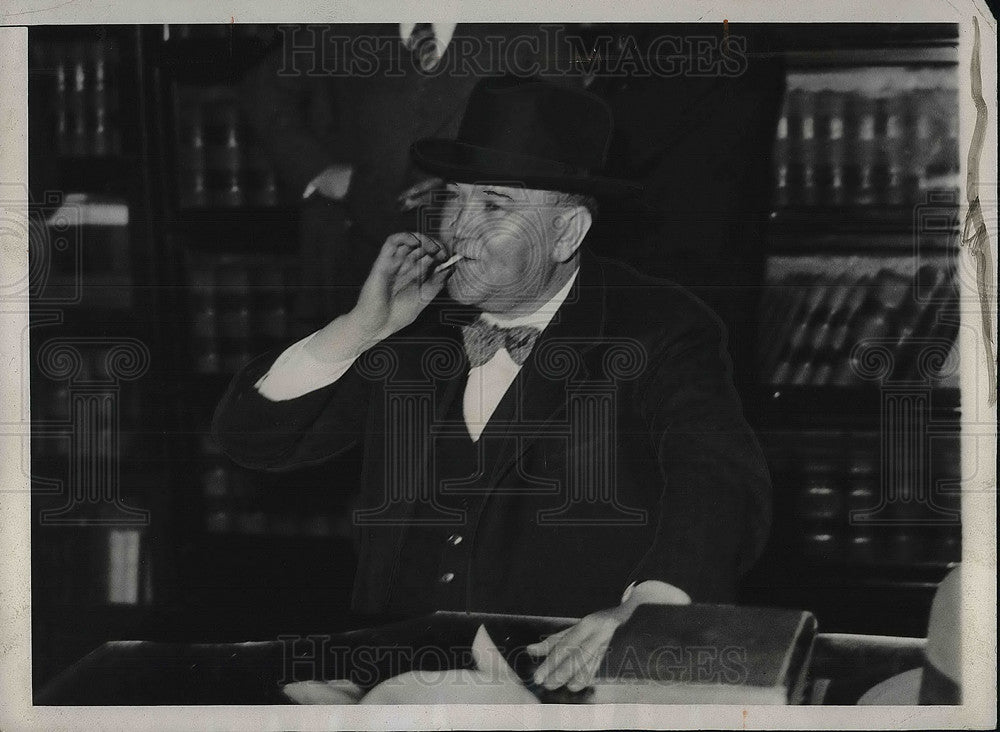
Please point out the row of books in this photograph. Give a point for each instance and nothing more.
(240, 306)
(846, 508)
(817, 310)
(85, 103)
(98, 566)
(866, 545)
(218, 162)
(837, 148)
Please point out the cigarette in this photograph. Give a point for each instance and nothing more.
(451, 261)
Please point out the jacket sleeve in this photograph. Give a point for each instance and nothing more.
(292, 111)
(715, 497)
(282, 435)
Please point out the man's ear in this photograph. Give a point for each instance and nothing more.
(573, 223)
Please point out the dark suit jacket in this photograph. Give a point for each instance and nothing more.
(627, 457)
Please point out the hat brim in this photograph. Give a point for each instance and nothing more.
(465, 163)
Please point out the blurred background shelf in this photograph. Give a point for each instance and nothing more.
(238, 229)
(826, 407)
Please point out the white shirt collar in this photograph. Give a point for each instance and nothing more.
(542, 316)
(442, 33)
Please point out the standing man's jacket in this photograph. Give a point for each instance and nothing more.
(619, 454)
(349, 94)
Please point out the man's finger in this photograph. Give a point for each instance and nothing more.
(584, 677)
(416, 269)
(558, 651)
(542, 647)
(565, 660)
(429, 244)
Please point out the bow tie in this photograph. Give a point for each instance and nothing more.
(482, 341)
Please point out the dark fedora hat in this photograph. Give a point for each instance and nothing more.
(524, 131)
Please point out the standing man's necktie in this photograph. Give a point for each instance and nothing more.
(482, 340)
(423, 44)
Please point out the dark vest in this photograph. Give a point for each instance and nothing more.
(435, 562)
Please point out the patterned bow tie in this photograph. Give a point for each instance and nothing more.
(483, 340)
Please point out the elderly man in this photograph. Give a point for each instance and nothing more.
(559, 436)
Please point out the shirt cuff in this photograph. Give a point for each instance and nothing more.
(297, 372)
(657, 592)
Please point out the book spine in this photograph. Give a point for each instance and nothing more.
(820, 506)
(893, 149)
(205, 331)
(191, 185)
(782, 197)
(259, 180)
(862, 497)
(79, 142)
(123, 566)
(62, 70)
(830, 165)
(215, 486)
(865, 150)
(234, 313)
(102, 138)
(223, 154)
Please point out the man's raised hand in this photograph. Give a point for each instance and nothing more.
(402, 282)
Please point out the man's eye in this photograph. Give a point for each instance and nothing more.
(490, 206)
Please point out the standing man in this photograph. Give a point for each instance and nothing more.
(337, 108)
(559, 436)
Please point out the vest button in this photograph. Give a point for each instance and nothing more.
(447, 577)
(455, 539)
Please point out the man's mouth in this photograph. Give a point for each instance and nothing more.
(452, 261)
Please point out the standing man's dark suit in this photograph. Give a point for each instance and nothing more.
(351, 94)
(620, 454)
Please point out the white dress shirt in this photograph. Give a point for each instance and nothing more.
(297, 372)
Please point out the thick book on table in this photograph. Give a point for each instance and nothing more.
(664, 654)
(707, 654)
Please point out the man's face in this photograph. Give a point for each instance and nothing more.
(509, 236)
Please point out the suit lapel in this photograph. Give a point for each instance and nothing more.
(555, 369)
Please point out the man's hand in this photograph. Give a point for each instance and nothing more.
(401, 284)
(573, 656)
(419, 194)
(331, 183)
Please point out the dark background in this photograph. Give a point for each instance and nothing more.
(793, 208)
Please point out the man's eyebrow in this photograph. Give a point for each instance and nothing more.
(491, 192)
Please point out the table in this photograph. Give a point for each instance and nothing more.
(154, 673)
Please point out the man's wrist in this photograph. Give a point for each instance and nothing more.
(654, 591)
(344, 338)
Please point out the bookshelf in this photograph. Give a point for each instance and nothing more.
(277, 543)
(857, 405)
(100, 513)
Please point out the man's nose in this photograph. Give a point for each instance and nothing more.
(460, 220)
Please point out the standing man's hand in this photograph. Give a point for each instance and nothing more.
(332, 183)
(419, 194)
